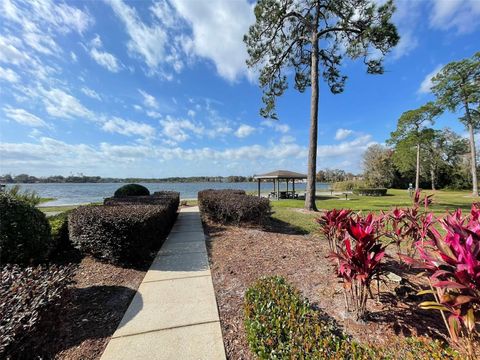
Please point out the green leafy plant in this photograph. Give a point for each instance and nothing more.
(24, 232)
(30, 197)
(281, 324)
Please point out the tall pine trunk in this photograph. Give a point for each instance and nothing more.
(312, 149)
(417, 172)
(432, 176)
(473, 151)
(473, 155)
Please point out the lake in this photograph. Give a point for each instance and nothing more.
(73, 194)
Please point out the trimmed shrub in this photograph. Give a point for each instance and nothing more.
(120, 234)
(347, 185)
(233, 206)
(24, 232)
(170, 199)
(27, 297)
(131, 190)
(281, 324)
(371, 191)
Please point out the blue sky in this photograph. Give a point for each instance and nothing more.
(157, 89)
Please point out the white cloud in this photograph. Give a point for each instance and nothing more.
(244, 131)
(23, 117)
(10, 52)
(178, 129)
(8, 75)
(60, 104)
(149, 100)
(58, 17)
(73, 56)
(408, 42)
(128, 127)
(342, 134)
(352, 150)
(145, 41)
(218, 29)
(277, 126)
(49, 153)
(153, 114)
(426, 84)
(191, 113)
(464, 15)
(103, 58)
(90, 93)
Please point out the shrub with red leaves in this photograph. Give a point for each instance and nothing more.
(452, 263)
(26, 297)
(408, 226)
(359, 259)
(332, 226)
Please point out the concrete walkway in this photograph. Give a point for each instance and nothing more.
(174, 312)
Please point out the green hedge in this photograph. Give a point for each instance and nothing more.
(371, 191)
(170, 199)
(233, 206)
(131, 190)
(120, 234)
(281, 324)
(347, 185)
(27, 298)
(24, 232)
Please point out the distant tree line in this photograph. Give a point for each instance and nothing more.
(29, 179)
(335, 175)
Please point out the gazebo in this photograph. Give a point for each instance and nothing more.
(277, 177)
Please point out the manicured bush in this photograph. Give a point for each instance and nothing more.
(233, 206)
(347, 185)
(27, 297)
(120, 234)
(170, 199)
(24, 232)
(131, 190)
(370, 191)
(281, 324)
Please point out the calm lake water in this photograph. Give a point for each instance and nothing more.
(73, 194)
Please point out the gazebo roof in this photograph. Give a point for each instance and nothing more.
(281, 174)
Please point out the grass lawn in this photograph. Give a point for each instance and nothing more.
(287, 210)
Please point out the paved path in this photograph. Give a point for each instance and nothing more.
(174, 312)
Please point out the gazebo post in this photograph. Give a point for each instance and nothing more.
(293, 185)
(258, 187)
(287, 187)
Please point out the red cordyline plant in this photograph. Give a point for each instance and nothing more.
(359, 259)
(408, 226)
(452, 266)
(333, 225)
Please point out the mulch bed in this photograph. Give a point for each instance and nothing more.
(239, 256)
(91, 311)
